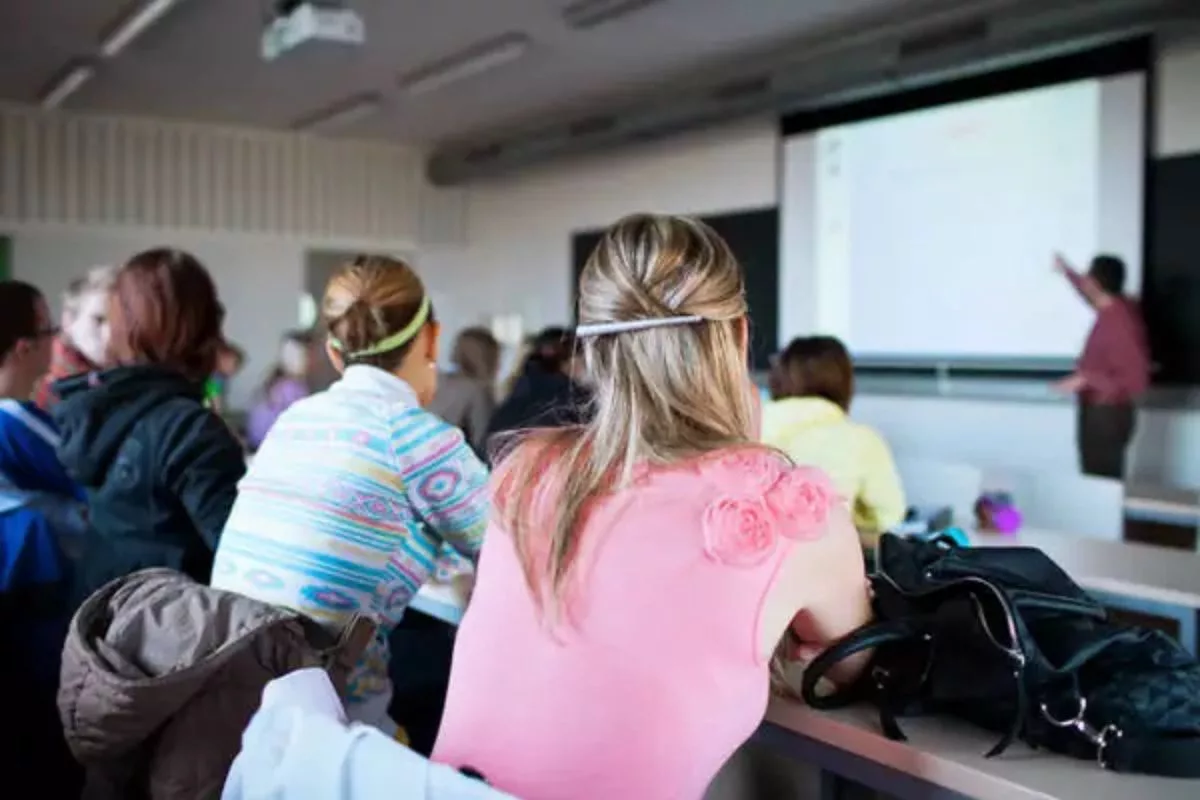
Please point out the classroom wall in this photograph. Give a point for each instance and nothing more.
(77, 191)
(519, 229)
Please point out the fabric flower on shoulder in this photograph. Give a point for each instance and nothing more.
(758, 469)
(801, 500)
(739, 531)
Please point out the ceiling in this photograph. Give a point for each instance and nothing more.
(201, 62)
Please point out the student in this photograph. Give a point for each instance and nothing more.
(1114, 369)
(41, 513)
(546, 393)
(357, 488)
(286, 384)
(640, 570)
(31, 476)
(466, 394)
(160, 469)
(82, 340)
(812, 384)
(230, 360)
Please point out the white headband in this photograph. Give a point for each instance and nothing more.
(605, 328)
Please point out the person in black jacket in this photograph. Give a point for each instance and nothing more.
(160, 469)
(545, 395)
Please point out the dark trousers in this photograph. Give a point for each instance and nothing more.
(1104, 433)
(421, 647)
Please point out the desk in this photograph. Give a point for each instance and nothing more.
(943, 760)
(1141, 578)
(1170, 506)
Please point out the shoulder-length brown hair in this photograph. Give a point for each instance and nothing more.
(163, 310)
(814, 366)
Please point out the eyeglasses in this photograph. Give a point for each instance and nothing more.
(48, 331)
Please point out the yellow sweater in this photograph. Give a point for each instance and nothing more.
(815, 432)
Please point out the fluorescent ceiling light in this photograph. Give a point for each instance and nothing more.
(341, 115)
(586, 14)
(66, 85)
(470, 63)
(134, 25)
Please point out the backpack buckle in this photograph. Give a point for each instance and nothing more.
(1102, 738)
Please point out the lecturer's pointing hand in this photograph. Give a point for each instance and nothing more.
(1072, 384)
(1061, 266)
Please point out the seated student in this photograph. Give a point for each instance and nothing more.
(230, 359)
(287, 383)
(641, 570)
(82, 339)
(356, 488)
(812, 384)
(160, 469)
(466, 394)
(41, 510)
(31, 476)
(545, 393)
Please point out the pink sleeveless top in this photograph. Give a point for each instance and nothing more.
(656, 678)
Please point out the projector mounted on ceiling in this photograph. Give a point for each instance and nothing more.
(297, 23)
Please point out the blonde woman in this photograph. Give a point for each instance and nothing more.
(641, 569)
(82, 340)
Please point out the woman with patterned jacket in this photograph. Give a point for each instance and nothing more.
(356, 490)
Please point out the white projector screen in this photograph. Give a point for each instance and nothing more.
(931, 234)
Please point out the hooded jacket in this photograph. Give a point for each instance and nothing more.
(161, 675)
(160, 471)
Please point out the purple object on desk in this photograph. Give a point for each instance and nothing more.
(997, 513)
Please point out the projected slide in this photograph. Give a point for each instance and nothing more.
(932, 233)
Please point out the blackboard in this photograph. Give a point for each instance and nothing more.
(754, 238)
(1171, 285)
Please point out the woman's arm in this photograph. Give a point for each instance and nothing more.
(202, 464)
(830, 583)
(444, 481)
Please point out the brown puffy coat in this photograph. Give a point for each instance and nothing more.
(160, 676)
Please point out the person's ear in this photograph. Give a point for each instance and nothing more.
(743, 333)
(433, 334)
(335, 357)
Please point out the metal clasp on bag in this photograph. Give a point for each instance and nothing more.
(1101, 738)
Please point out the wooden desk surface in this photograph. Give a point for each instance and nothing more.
(1142, 571)
(950, 754)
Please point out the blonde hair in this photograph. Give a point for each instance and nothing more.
(368, 300)
(660, 395)
(97, 279)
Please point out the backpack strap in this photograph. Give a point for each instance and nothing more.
(867, 637)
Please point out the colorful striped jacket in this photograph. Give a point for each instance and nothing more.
(348, 505)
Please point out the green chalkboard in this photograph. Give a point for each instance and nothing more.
(5, 258)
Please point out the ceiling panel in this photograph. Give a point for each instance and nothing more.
(201, 62)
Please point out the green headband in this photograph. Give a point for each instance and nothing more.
(396, 340)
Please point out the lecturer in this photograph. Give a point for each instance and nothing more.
(1113, 370)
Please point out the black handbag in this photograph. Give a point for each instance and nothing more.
(1003, 638)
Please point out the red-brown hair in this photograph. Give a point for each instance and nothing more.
(164, 310)
(814, 366)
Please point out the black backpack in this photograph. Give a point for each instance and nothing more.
(1003, 638)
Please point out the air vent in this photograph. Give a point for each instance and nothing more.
(591, 126)
(947, 37)
(743, 89)
(484, 154)
(584, 14)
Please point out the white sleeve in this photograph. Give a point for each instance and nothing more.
(300, 751)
